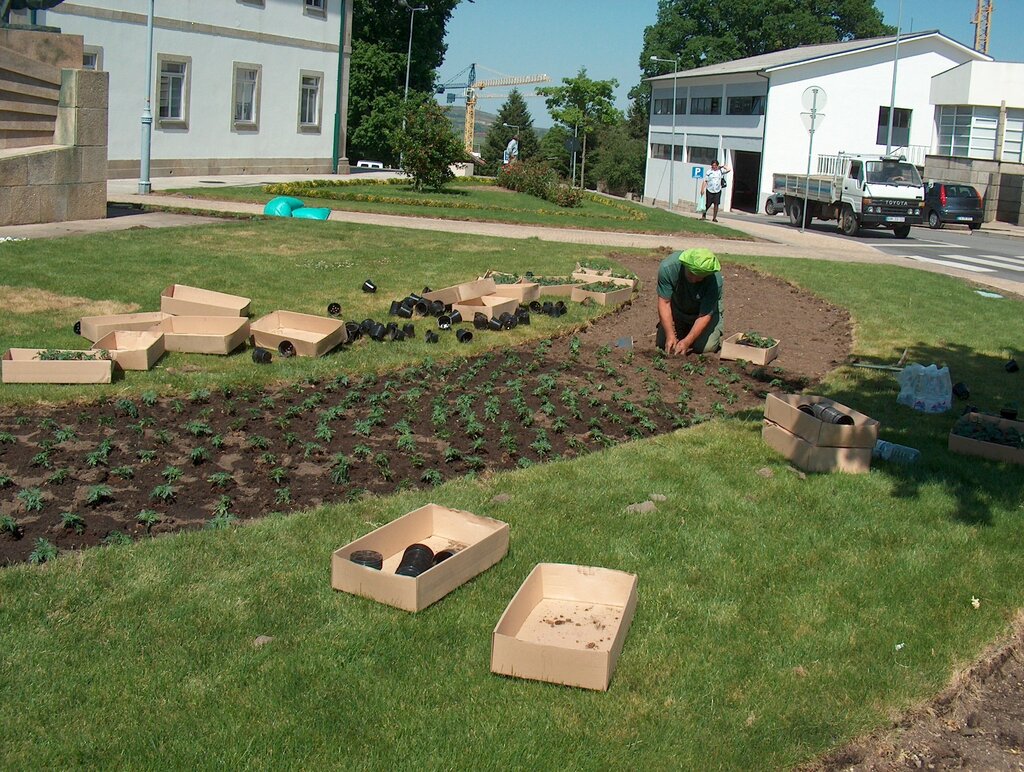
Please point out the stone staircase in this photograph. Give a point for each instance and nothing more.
(29, 97)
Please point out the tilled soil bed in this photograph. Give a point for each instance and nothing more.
(81, 475)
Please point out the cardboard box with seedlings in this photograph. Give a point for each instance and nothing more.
(513, 286)
(92, 328)
(604, 292)
(132, 349)
(488, 305)
(988, 436)
(204, 334)
(559, 286)
(309, 335)
(465, 291)
(566, 625)
(36, 365)
(182, 300)
(478, 542)
(588, 275)
(752, 347)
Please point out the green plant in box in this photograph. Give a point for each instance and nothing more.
(756, 340)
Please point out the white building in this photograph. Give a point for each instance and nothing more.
(239, 86)
(747, 113)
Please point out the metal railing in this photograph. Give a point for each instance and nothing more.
(831, 164)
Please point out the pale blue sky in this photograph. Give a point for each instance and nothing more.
(557, 37)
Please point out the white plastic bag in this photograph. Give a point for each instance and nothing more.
(928, 389)
(702, 203)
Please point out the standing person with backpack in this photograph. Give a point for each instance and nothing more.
(712, 188)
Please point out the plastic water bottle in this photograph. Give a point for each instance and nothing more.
(890, 451)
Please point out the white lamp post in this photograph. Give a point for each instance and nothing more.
(145, 186)
(408, 56)
(672, 147)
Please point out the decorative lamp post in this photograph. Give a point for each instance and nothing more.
(672, 151)
(145, 186)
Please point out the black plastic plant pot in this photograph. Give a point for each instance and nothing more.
(334, 309)
(405, 311)
(261, 356)
(537, 307)
(1012, 366)
(960, 390)
(415, 298)
(463, 336)
(409, 330)
(508, 321)
(560, 308)
(421, 307)
(523, 317)
(286, 348)
(369, 286)
(396, 335)
(494, 324)
(354, 331)
(436, 308)
(391, 326)
(443, 555)
(446, 320)
(368, 558)
(378, 331)
(77, 327)
(416, 559)
(1009, 413)
(395, 306)
(827, 414)
(427, 290)
(366, 325)
(548, 308)
(430, 336)
(480, 321)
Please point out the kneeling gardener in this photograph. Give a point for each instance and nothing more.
(690, 314)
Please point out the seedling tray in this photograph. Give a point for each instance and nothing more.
(609, 298)
(992, 450)
(732, 349)
(22, 365)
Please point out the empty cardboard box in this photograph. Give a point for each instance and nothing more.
(814, 458)
(565, 625)
(182, 300)
(311, 336)
(132, 349)
(93, 328)
(732, 349)
(481, 542)
(23, 365)
(204, 334)
(783, 409)
(459, 292)
(488, 305)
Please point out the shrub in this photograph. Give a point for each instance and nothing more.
(538, 179)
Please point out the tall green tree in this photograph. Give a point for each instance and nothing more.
(620, 158)
(514, 112)
(582, 103)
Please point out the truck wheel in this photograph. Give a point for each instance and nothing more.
(769, 206)
(795, 211)
(934, 222)
(848, 222)
(901, 231)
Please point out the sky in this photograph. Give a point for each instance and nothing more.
(558, 37)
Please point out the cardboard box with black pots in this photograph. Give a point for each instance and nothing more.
(478, 542)
(309, 335)
(132, 349)
(749, 347)
(182, 300)
(988, 436)
(36, 365)
(566, 625)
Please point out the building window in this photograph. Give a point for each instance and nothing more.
(174, 90)
(316, 8)
(701, 155)
(310, 101)
(969, 132)
(1013, 137)
(246, 96)
(681, 106)
(706, 106)
(92, 58)
(900, 127)
(659, 150)
(746, 105)
(662, 106)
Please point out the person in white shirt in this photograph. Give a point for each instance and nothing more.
(512, 150)
(711, 188)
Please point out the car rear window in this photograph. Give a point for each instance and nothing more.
(961, 191)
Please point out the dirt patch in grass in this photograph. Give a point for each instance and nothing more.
(31, 300)
(975, 723)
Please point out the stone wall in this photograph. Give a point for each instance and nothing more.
(998, 182)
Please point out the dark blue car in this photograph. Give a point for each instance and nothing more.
(946, 202)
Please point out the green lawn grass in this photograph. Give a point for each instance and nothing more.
(463, 200)
(280, 264)
(778, 616)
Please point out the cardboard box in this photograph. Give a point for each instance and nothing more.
(488, 305)
(610, 298)
(182, 300)
(592, 271)
(991, 450)
(733, 349)
(133, 349)
(558, 290)
(465, 291)
(481, 541)
(22, 365)
(565, 625)
(204, 334)
(587, 276)
(782, 409)
(95, 327)
(814, 458)
(522, 290)
(312, 336)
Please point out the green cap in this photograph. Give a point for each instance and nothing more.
(700, 261)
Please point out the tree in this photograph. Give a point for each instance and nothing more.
(427, 143)
(583, 103)
(620, 159)
(552, 150)
(515, 112)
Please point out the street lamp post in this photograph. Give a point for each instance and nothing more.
(408, 56)
(892, 94)
(145, 186)
(672, 148)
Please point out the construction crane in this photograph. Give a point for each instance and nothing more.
(472, 85)
(982, 22)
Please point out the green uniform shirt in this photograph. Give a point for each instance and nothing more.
(691, 300)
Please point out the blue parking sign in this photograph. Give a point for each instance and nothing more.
(697, 172)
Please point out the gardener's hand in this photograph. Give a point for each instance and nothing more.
(681, 346)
